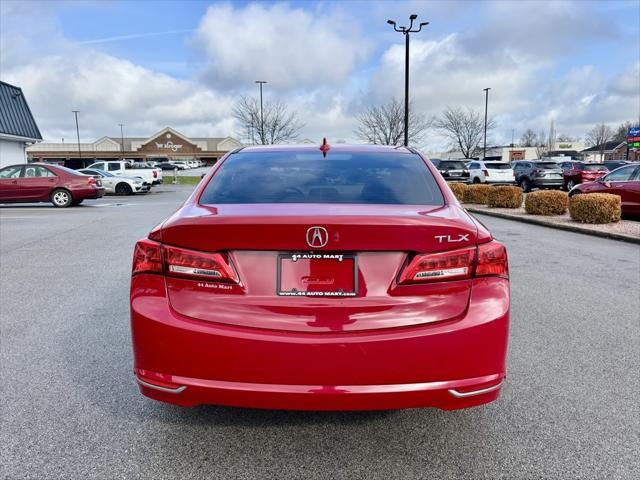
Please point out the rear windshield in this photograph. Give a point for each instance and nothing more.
(360, 178)
(498, 166)
(593, 167)
(452, 166)
(547, 165)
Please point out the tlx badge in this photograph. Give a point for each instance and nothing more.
(451, 239)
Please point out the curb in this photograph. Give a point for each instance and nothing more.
(568, 228)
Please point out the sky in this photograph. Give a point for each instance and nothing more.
(184, 64)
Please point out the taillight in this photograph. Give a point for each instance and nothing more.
(487, 260)
(152, 257)
(147, 257)
(188, 263)
(452, 265)
(492, 260)
(92, 181)
(155, 174)
(485, 172)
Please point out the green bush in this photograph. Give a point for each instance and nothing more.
(546, 202)
(505, 196)
(477, 194)
(458, 190)
(595, 208)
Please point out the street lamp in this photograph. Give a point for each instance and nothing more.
(75, 112)
(486, 105)
(406, 31)
(121, 140)
(261, 82)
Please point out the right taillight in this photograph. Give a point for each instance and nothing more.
(492, 260)
(152, 257)
(486, 260)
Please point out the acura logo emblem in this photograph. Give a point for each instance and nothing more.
(317, 237)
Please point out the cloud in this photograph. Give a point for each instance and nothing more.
(291, 48)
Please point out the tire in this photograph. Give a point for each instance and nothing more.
(77, 202)
(570, 185)
(123, 188)
(525, 184)
(476, 180)
(61, 198)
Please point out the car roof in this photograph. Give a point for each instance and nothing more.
(341, 147)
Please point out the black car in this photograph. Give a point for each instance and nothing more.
(613, 164)
(452, 170)
(531, 174)
(166, 166)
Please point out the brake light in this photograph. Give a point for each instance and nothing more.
(92, 181)
(155, 174)
(492, 260)
(152, 257)
(193, 264)
(487, 260)
(485, 172)
(147, 257)
(453, 265)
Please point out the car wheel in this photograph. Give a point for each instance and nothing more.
(76, 202)
(123, 189)
(570, 185)
(476, 180)
(61, 198)
(525, 185)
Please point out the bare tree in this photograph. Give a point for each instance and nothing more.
(551, 141)
(528, 138)
(384, 124)
(621, 131)
(598, 136)
(464, 128)
(279, 124)
(563, 137)
(542, 146)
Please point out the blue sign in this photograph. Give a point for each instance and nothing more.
(633, 132)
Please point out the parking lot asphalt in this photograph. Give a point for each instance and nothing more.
(71, 409)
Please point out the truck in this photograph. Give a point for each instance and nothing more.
(123, 168)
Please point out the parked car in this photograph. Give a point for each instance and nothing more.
(181, 164)
(123, 168)
(453, 170)
(345, 278)
(168, 166)
(531, 174)
(39, 182)
(580, 172)
(117, 185)
(613, 164)
(491, 172)
(624, 181)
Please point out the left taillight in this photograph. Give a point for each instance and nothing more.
(485, 260)
(155, 174)
(152, 257)
(92, 181)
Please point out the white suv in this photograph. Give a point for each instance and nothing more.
(491, 172)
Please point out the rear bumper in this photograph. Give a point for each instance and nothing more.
(447, 365)
(87, 193)
(548, 182)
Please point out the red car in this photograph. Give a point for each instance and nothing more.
(580, 172)
(344, 278)
(623, 181)
(40, 182)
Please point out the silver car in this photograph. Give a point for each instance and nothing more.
(117, 185)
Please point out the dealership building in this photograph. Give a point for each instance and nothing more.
(165, 144)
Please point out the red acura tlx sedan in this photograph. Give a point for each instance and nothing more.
(343, 278)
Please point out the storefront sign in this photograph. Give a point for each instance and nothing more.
(174, 147)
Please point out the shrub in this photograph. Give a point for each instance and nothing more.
(458, 190)
(546, 202)
(505, 197)
(477, 193)
(595, 208)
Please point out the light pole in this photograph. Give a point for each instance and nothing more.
(486, 105)
(261, 82)
(75, 112)
(406, 31)
(121, 140)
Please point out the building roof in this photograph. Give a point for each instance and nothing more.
(15, 116)
(605, 147)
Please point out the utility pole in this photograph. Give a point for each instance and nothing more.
(262, 137)
(75, 112)
(486, 107)
(406, 31)
(121, 140)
